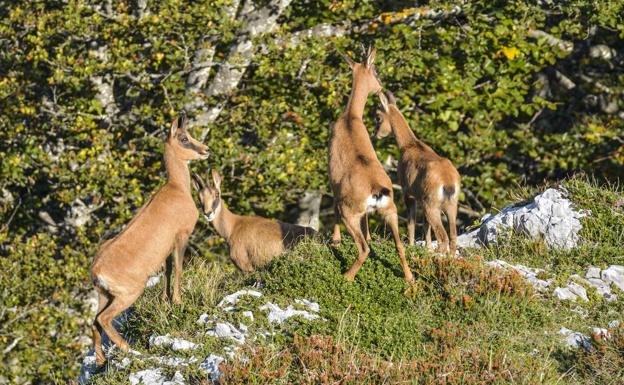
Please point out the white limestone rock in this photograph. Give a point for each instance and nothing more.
(279, 315)
(211, 366)
(575, 339)
(549, 217)
(227, 330)
(173, 343)
(528, 273)
(155, 377)
(614, 274)
(232, 299)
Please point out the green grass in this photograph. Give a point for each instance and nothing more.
(462, 320)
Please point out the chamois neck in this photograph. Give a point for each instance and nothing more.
(402, 132)
(224, 221)
(357, 100)
(177, 170)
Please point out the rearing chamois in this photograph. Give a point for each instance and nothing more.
(357, 178)
(426, 178)
(124, 263)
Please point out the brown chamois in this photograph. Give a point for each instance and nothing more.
(163, 225)
(253, 241)
(427, 179)
(357, 178)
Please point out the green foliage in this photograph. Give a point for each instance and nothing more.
(471, 77)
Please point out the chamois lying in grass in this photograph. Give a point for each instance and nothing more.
(253, 241)
(426, 178)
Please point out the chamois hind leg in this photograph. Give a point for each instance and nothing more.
(411, 221)
(96, 328)
(451, 214)
(364, 227)
(116, 306)
(167, 279)
(434, 217)
(392, 219)
(428, 236)
(352, 224)
(178, 257)
(336, 235)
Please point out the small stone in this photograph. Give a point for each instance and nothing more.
(211, 366)
(563, 293)
(578, 290)
(593, 272)
(614, 324)
(614, 274)
(172, 342)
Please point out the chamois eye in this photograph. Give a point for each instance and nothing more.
(184, 140)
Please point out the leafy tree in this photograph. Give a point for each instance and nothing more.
(512, 92)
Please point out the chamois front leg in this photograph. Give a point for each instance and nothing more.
(168, 269)
(178, 258)
(336, 238)
(392, 219)
(352, 223)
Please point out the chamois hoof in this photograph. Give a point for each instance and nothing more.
(335, 242)
(177, 300)
(348, 277)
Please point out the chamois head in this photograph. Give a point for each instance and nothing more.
(185, 147)
(365, 73)
(209, 196)
(383, 116)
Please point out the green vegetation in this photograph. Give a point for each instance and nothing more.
(462, 322)
(88, 88)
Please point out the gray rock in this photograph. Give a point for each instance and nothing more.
(614, 274)
(549, 217)
(593, 272)
(575, 339)
(563, 293)
(211, 366)
(578, 290)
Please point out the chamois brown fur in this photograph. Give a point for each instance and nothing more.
(427, 179)
(357, 178)
(163, 225)
(253, 241)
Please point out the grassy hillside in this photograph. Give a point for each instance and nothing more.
(462, 322)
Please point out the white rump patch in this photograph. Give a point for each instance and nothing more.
(373, 203)
(101, 282)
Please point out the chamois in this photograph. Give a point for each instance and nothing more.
(357, 178)
(253, 240)
(124, 263)
(426, 178)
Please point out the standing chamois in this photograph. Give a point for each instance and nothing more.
(357, 178)
(426, 178)
(124, 263)
(253, 241)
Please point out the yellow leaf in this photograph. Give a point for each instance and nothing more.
(510, 52)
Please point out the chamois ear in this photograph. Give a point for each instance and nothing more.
(370, 57)
(216, 179)
(183, 121)
(174, 128)
(349, 61)
(391, 98)
(384, 101)
(197, 182)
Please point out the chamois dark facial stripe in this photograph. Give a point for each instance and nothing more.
(362, 159)
(187, 143)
